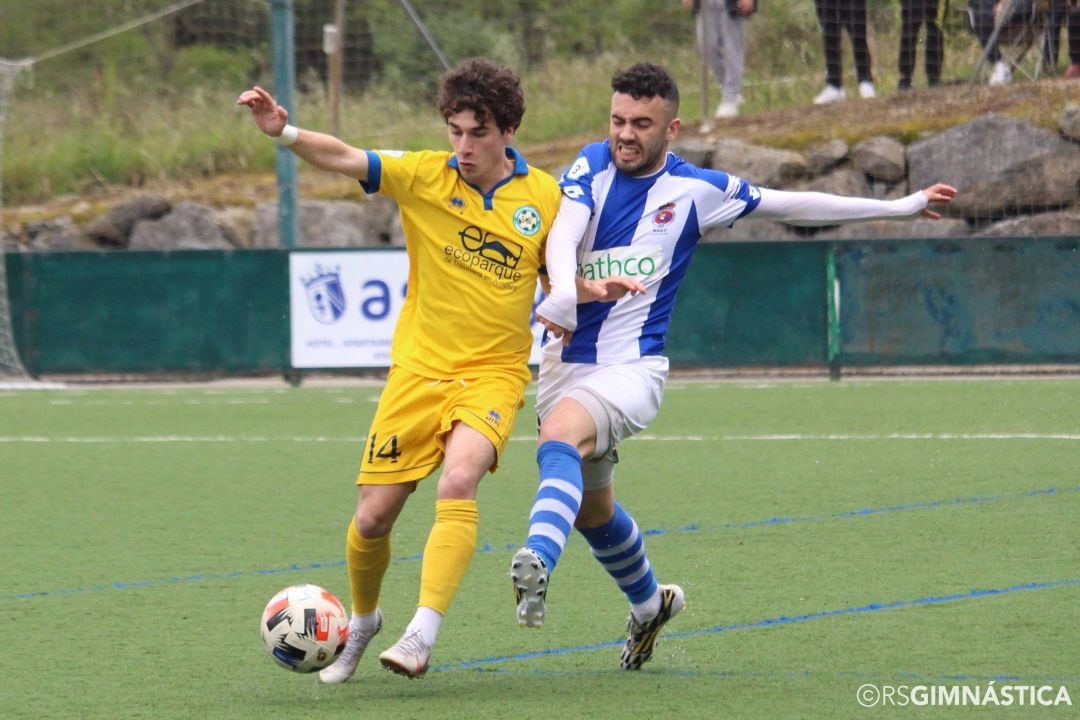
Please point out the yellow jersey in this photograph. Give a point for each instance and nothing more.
(474, 260)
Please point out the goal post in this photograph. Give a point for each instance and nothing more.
(11, 367)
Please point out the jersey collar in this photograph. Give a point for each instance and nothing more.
(520, 166)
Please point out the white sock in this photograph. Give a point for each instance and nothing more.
(427, 621)
(365, 622)
(643, 612)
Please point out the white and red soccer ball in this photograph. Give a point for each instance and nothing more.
(304, 628)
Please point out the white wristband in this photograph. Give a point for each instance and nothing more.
(287, 136)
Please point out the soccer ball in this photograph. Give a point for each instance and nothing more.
(304, 628)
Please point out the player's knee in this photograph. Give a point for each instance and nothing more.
(559, 429)
(371, 523)
(458, 483)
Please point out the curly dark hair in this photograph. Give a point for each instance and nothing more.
(646, 80)
(485, 88)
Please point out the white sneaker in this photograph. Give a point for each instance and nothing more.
(1001, 74)
(642, 639)
(530, 577)
(866, 90)
(410, 656)
(728, 108)
(343, 668)
(829, 95)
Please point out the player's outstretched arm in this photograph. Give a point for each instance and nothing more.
(323, 151)
(817, 208)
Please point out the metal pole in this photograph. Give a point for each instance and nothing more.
(426, 33)
(337, 62)
(284, 65)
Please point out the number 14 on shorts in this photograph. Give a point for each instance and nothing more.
(388, 450)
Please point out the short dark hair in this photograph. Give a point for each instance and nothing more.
(646, 80)
(485, 88)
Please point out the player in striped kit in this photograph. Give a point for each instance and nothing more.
(631, 209)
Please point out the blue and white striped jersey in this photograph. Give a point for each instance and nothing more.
(645, 228)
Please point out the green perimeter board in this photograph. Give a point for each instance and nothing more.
(752, 305)
(959, 301)
(191, 311)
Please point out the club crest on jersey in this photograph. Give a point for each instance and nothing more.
(325, 296)
(664, 215)
(457, 202)
(527, 220)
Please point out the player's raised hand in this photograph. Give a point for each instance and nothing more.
(269, 116)
(938, 193)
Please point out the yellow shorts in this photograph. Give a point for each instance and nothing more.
(407, 439)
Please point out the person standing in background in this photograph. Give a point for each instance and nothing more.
(1067, 13)
(983, 17)
(835, 16)
(721, 34)
(914, 14)
(1072, 72)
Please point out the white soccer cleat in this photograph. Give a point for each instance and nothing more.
(831, 94)
(867, 90)
(343, 668)
(728, 108)
(410, 656)
(639, 646)
(1001, 74)
(530, 578)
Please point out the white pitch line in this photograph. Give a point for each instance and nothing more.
(779, 437)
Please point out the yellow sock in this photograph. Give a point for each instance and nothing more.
(449, 551)
(367, 559)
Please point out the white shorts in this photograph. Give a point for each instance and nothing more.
(622, 400)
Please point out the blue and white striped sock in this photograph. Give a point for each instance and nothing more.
(557, 501)
(620, 548)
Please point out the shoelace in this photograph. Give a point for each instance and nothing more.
(358, 639)
(413, 643)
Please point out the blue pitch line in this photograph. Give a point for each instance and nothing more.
(908, 677)
(777, 621)
(489, 548)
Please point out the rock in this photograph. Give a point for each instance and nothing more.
(187, 227)
(1070, 122)
(758, 165)
(825, 156)
(881, 158)
(839, 182)
(114, 227)
(238, 225)
(1041, 224)
(920, 228)
(695, 151)
(1000, 165)
(59, 234)
(338, 223)
(750, 230)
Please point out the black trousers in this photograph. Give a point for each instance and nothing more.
(913, 15)
(1062, 14)
(850, 15)
(982, 23)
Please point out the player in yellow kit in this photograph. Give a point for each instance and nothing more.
(475, 222)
